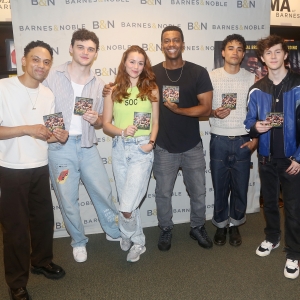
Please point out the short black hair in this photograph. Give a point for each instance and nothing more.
(234, 37)
(85, 35)
(35, 44)
(172, 28)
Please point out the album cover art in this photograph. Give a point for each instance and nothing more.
(275, 119)
(54, 121)
(229, 100)
(82, 105)
(171, 93)
(142, 120)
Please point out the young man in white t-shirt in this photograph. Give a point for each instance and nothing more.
(26, 212)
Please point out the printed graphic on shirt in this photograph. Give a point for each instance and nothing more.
(82, 105)
(170, 93)
(54, 121)
(142, 120)
(229, 100)
(275, 118)
(62, 176)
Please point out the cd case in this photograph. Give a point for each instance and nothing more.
(171, 93)
(142, 120)
(54, 121)
(82, 105)
(275, 118)
(229, 100)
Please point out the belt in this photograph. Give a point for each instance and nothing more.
(237, 136)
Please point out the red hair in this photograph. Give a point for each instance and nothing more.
(146, 82)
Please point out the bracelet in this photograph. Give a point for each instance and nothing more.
(292, 158)
(152, 143)
(122, 134)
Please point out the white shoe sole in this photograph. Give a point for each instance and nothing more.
(289, 275)
(138, 258)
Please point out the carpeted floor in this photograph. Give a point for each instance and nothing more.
(187, 271)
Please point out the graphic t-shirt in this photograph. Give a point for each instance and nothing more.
(134, 111)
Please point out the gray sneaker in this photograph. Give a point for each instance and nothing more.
(125, 244)
(135, 252)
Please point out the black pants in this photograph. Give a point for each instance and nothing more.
(26, 215)
(272, 173)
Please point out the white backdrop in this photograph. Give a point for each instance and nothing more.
(120, 23)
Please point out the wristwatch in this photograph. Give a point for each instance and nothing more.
(152, 143)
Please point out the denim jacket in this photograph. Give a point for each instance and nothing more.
(260, 99)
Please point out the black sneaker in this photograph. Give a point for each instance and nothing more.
(200, 234)
(165, 237)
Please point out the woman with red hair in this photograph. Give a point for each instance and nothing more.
(133, 106)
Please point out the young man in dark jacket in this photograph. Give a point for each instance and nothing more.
(273, 104)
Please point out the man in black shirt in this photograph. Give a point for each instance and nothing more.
(186, 94)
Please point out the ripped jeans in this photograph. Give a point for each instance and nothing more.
(132, 167)
(68, 163)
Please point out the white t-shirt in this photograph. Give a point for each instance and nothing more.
(16, 109)
(75, 126)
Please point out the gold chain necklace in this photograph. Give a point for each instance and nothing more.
(277, 98)
(33, 105)
(179, 75)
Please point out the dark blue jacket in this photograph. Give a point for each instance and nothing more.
(260, 103)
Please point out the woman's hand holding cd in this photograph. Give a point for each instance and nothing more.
(130, 130)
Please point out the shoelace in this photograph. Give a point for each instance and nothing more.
(203, 232)
(165, 236)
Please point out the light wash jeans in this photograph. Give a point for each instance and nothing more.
(68, 164)
(132, 167)
(165, 169)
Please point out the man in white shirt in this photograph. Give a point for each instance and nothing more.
(26, 212)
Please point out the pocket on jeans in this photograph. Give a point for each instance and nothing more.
(54, 146)
(145, 142)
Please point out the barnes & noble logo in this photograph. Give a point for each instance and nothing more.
(245, 4)
(102, 24)
(151, 2)
(43, 2)
(106, 72)
(197, 26)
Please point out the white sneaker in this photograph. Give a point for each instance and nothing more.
(125, 244)
(111, 239)
(80, 254)
(265, 248)
(135, 252)
(291, 269)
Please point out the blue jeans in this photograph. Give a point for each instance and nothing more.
(132, 167)
(272, 172)
(165, 169)
(230, 171)
(68, 164)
